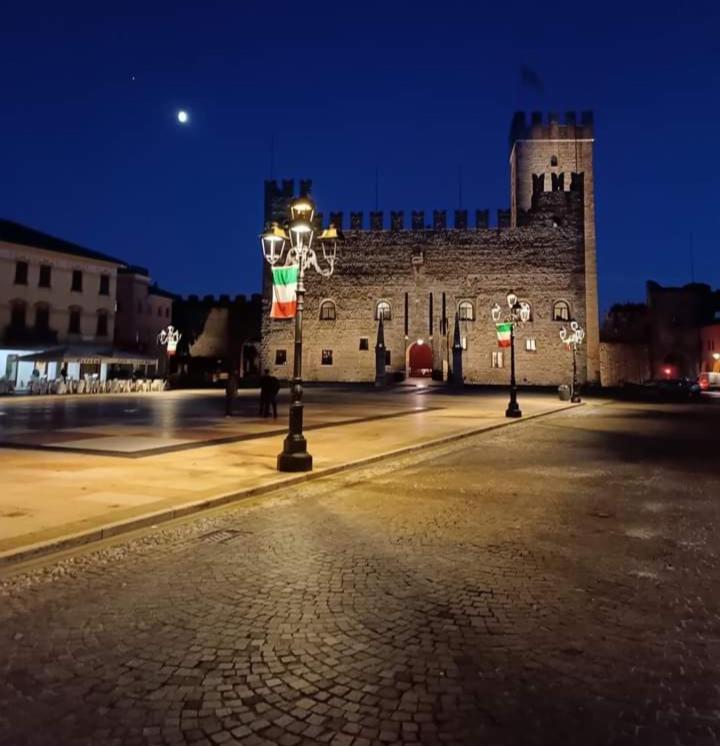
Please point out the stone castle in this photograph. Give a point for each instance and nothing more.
(420, 277)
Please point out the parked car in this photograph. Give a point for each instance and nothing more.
(663, 389)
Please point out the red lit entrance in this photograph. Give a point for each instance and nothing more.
(420, 360)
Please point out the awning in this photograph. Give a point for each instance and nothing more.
(91, 355)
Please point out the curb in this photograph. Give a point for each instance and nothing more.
(51, 546)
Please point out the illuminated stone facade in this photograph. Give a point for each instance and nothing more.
(428, 273)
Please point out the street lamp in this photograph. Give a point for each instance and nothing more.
(572, 340)
(293, 248)
(518, 312)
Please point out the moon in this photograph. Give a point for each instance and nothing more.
(182, 116)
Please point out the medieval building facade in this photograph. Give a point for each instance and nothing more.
(421, 277)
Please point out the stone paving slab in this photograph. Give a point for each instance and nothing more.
(52, 499)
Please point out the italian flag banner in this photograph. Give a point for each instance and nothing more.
(503, 334)
(284, 287)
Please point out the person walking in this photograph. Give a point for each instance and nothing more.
(264, 393)
(231, 387)
(273, 386)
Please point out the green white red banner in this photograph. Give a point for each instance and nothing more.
(284, 302)
(504, 332)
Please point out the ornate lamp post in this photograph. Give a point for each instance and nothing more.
(293, 248)
(572, 340)
(518, 312)
(169, 337)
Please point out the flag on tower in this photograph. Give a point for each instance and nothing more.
(503, 334)
(284, 302)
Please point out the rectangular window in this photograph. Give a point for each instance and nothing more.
(45, 276)
(387, 357)
(42, 318)
(21, 273)
(104, 285)
(74, 325)
(497, 359)
(530, 344)
(280, 357)
(17, 316)
(167, 312)
(364, 343)
(76, 281)
(463, 342)
(102, 325)
(327, 357)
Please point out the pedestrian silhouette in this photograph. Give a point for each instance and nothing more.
(269, 387)
(231, 387)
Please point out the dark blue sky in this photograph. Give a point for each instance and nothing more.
(414, 89)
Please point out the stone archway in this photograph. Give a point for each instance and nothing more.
(420, 360)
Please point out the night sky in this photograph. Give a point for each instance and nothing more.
(92, 151)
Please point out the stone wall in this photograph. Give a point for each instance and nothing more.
(542, 261)
(624, 362)
(550, 147)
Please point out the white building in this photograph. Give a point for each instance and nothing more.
(54, 295)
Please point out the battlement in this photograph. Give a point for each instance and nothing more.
(540, 126)
(221, 301)
(278, 195)
(438, 220)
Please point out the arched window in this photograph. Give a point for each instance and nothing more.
(42, 317)
(18, 314)
(327, 311)
(553, 160)
(466, 312)
(561, 311)
(525, 304)
(102, 323)
(383, 310)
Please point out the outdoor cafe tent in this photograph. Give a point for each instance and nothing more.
(88, 355)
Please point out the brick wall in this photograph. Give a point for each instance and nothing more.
(624, 362)
(542, 261)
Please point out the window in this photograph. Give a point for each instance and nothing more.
(42, 317)
(463, 342)
(326, 358)
(104, 285)
(167, 312)
(21, 273)
(382, 310)
(561, 311)
(45, 276)
(327, 311)
(74, 324)
(17, 314)
(553, 160)
(530, 345)
(364, 343)
(466, 312)
(497, 359)
(76, 281)
(280, 357)
(387, 357)
(102, 324)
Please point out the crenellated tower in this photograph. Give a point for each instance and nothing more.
(541, 151)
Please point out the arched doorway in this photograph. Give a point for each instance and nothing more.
(420, 360)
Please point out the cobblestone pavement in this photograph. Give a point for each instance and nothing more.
(553, 582)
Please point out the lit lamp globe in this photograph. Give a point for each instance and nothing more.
(182, 117)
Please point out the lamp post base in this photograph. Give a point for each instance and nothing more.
(513, 410)
(302, 461)
(575, 399)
